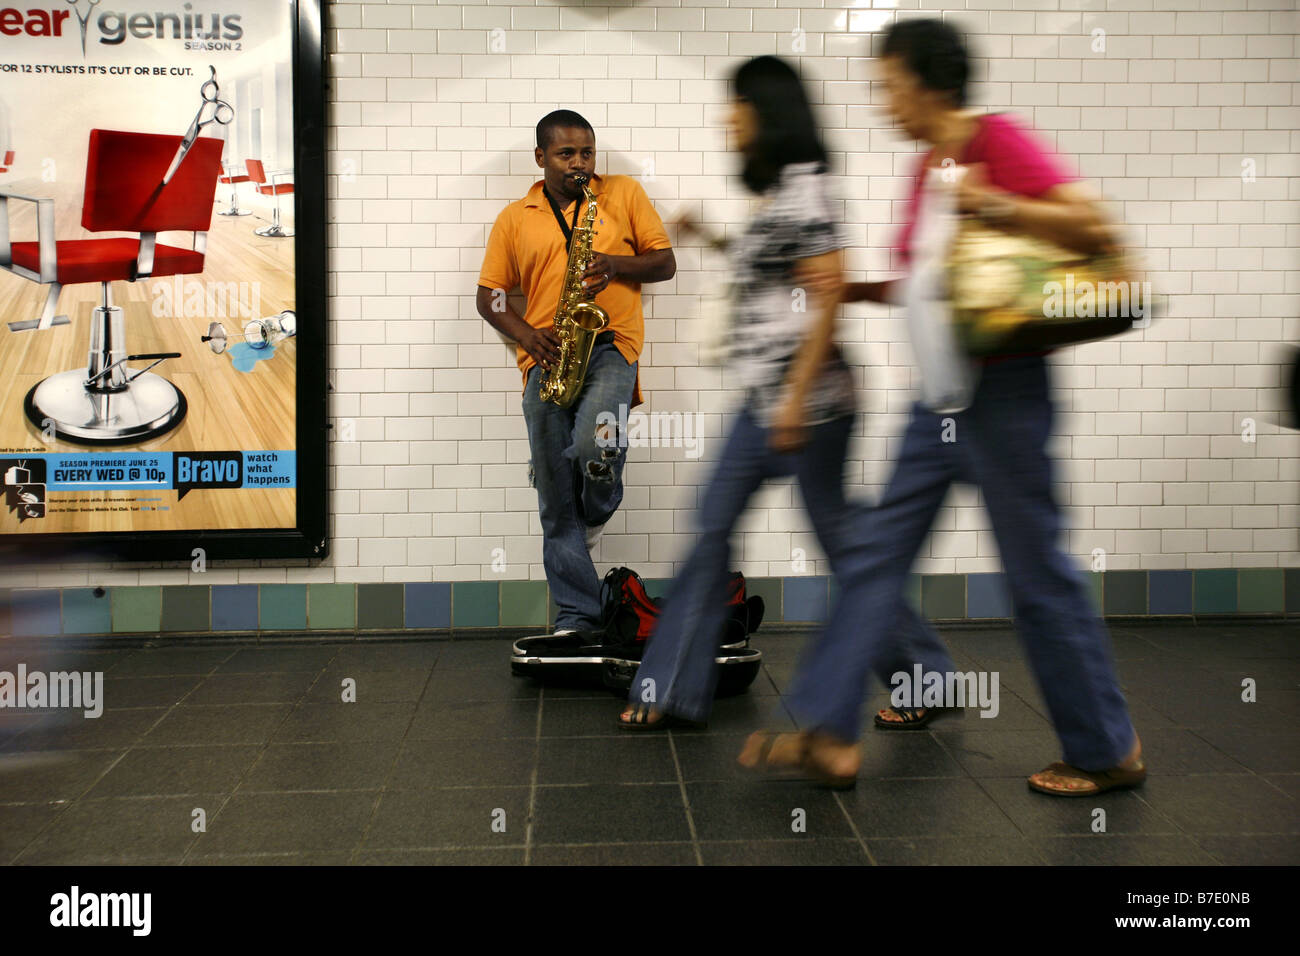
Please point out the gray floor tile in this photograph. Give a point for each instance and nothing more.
(252, 688)
(217, 724)
(792, 852)
(118, 830)
(50, 776)
(428, 763)
(953, 851)
(287, 822)
(20, 825)
(358, 765)
(484, 818)
(173, 771)
(1041, 814)
(766, 810)
(925, 808)
(615, 854)
(368, 685)
(630, 758)
(623, 813)
(1240, 850)
(327, 723)
(1127, 850)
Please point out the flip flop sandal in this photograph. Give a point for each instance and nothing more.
(821, 776)
(642, 724)
(765, 764)
(914, 718)
(805, 766)
(1116, 778)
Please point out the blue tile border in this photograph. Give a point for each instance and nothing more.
(234, 607)
(428, 605)
(805, 598)
(442, 605)
(987, 596)
(1170, 592)
(35, 612)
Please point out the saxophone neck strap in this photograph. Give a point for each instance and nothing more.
(559, 216)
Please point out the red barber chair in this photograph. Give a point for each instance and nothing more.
(232, 179)
(107, 402)
(9, 161)
(271, 187)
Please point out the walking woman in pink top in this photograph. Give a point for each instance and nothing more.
(1000, 414)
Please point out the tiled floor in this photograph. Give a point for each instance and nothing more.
(238, 753)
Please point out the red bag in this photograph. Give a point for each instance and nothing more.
(630, 613)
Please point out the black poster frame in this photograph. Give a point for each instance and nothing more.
(309, 538)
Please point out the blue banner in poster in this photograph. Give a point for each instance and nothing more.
(176, 471)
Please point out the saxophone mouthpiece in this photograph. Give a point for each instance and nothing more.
(580, 179)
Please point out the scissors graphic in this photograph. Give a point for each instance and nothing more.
(213, 109)
(84, 20)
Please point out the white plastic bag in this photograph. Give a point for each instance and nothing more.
(948, 375)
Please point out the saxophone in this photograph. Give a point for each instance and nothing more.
(577, 320)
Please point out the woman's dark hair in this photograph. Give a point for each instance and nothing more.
(935, 52)
(787, 132)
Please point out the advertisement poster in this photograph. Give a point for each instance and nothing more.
(150, 323)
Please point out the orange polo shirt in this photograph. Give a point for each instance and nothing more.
(526, 249)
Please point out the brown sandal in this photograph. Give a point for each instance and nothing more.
(820, 775)
(804, 766)
(1116, 778)
(765, 763)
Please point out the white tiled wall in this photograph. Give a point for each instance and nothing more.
(432, 113)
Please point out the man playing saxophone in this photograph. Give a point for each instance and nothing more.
(577, 464)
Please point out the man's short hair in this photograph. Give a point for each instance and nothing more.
(559, 119)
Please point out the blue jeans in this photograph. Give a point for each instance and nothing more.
(579, 482)
(1000, 446)
(680, 658)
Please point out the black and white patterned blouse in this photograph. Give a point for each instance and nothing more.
(770, 318)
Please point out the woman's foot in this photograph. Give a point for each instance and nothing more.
(772, 752)
(824, 759)
(1063, 780)
(911, 718)
(642, 717)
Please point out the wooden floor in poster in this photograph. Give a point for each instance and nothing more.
(245, 275)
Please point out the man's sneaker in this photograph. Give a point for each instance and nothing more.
(563, 631)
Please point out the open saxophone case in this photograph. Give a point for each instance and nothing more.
(609, 656)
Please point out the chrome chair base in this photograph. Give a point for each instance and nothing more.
(235, 212)
(275, 231)
(148, 407)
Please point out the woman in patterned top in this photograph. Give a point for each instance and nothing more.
(799, 402)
